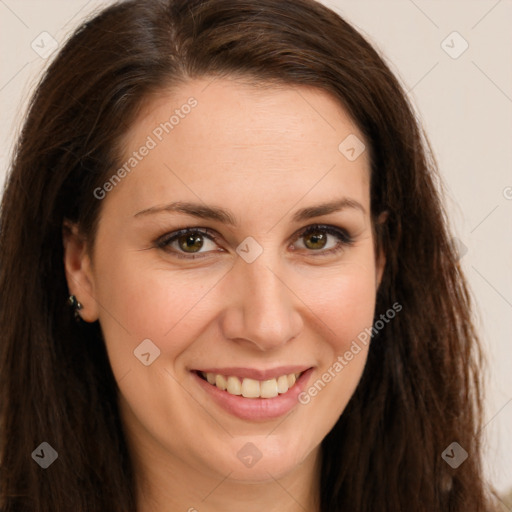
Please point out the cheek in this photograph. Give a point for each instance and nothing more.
(344, 301)
(345, 311)
(140, 302)
(349, 308)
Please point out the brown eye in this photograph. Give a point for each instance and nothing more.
(315, 240)
(323, 240)
(190, 242)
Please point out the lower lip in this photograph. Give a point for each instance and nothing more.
(255, 409)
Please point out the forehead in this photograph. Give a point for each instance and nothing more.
(219, 137)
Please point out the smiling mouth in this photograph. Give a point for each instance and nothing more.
(251, 388)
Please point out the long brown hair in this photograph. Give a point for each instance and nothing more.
(420, 390)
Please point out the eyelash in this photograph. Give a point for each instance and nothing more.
(345, 239)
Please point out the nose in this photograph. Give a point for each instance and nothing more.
(262, 309)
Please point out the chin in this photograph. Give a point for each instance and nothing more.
(258, 459)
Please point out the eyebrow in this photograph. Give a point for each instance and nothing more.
(203, 211)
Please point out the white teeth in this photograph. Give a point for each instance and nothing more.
(220, 382)
(251, 388)
(268, 388)
(234, 386)
(282, 384)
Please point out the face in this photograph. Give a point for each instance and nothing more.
(215, 264)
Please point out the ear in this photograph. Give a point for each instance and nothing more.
(380, 256)
(78, 268)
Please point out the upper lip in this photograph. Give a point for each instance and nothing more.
(256, 374)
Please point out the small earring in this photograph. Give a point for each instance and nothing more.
(76, 306)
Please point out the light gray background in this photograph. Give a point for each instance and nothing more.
(464, 103)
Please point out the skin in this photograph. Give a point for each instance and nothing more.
(262, 153)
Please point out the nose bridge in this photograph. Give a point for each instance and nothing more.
(263, 308)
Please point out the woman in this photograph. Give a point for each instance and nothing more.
(226, 276)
